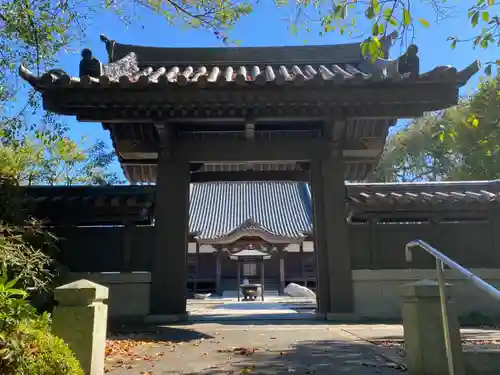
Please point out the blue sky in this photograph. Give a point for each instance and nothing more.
(266, 26)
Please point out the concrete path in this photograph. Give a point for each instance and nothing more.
(388, 339)
(394, 332)
(277, 308)
(245, 348)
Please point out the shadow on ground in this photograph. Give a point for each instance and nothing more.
(307, 357)
(142, 332)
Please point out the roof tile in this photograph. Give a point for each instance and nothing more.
(219, 207)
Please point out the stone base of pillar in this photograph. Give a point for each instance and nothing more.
(164, 319)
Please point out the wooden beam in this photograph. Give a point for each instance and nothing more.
(391, 100)
(258, 150)
(154, 162)
(301, 176)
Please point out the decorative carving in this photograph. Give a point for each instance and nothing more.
(409, 62)
(123, 68)
(89, 65)
(110, 46)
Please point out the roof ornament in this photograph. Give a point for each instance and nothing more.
(89, 65)
(407, 65)
(409, 62)
(387, 41)
(110, 46)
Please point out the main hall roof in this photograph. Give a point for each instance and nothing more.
(281, 208)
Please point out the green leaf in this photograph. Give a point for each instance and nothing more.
(374, 48)
(370, 13)
(337, 11)
(485, 16)
(344, 12)
(424, 22)
(375, 5)
(487, 70)
(365, 48)
(389, 17)
(280, 3)
(474, 19)
(381, 28)
(406, 17)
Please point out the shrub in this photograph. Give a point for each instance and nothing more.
(29, 350)
(27, 347)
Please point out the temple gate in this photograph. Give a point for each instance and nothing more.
(309, 113)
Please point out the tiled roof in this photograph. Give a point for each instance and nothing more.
(218, 208)
(280, 208)
(127, 72)
(239, 74)
(434, 193)
(136, 66)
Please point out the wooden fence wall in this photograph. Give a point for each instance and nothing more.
(373, 246)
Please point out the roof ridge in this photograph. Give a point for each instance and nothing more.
(309, 54)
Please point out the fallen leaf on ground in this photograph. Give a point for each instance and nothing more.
(242, 351)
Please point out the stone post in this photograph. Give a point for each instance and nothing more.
(80, 319)
(423, 331)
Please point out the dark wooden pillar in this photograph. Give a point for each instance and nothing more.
(168, 275)
(195, 284)
(331, 237)
(127, 248)
(494, 220)
(218, 275)
(282, 272)
(320, 250)
(301, 260)
(262, 279)
(374, 245)
(238, 278)
(337, 235)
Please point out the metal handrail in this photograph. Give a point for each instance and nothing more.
(441, 260)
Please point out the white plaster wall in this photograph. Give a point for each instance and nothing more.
(203, 248)
(128, 292)
(377, 293)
